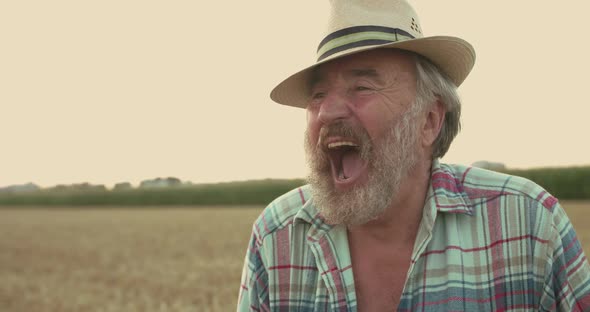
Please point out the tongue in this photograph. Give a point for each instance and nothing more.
(351, 164)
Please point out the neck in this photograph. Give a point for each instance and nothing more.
(402, 218)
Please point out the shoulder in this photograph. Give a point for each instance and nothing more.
(481, 185)
(506, 207)
(281, 212)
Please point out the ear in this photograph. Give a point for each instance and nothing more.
(435, 116)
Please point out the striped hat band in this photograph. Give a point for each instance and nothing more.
(359, 36)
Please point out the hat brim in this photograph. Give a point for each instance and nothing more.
(454, 56)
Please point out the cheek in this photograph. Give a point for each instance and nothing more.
(309, 115)
(313, 127)
(376, 107)
(376, 122)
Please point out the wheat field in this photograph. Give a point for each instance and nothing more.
(136, 259)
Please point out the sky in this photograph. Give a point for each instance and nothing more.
(113, 91)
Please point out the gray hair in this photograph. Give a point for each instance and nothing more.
(432, 85)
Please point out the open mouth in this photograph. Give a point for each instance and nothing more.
(345, 160)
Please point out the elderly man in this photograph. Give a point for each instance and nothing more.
(383, 224)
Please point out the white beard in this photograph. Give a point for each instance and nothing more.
(387, 166)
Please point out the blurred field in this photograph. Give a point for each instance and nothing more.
(127, 259)
(130, 259)
(579, 214)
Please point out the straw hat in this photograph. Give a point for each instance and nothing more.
(361, 25)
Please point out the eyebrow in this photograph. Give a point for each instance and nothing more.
(372, 73)
(369, 72)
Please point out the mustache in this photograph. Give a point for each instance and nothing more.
(342, 129)
(345, 130)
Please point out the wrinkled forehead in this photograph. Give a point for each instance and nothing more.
(379, 64)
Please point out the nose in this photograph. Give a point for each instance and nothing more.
(333, 107)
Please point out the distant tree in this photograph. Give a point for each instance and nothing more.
(59, 188)
(80, 186)
(21, 188)
(122, 186)
(149, 183)
(172, 181)
(160, 183)
(98, 187)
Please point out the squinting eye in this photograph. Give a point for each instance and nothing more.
(317, 95)
(363, 88)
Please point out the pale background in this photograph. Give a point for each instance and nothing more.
(111, 91)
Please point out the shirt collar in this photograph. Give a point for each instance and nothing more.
(310, 215)
(445, 195)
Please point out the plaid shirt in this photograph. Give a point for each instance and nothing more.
(486, 242)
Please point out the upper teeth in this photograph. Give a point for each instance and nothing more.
(338, 144)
